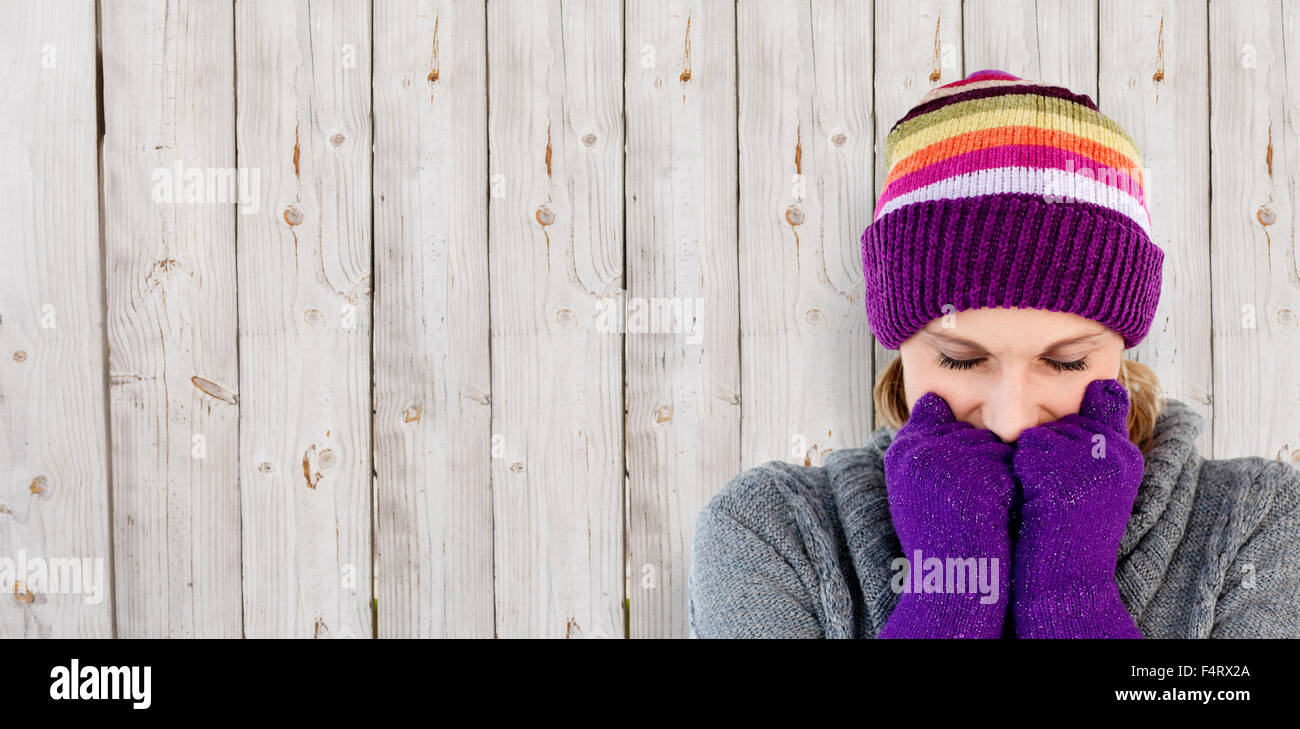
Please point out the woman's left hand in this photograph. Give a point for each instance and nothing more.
(1079, 476)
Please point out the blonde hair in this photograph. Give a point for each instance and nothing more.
(1146, 399)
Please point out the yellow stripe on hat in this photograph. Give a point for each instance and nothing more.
(906, 144)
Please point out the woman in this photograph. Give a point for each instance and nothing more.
(1039, 485)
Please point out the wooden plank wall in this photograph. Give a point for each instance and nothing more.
(443, 318)
(54, 465)
(433, 381)
(173, 349)
(303, 120)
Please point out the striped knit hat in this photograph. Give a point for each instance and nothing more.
(1007, 193)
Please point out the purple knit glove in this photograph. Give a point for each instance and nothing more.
(950, 488)
(1080, 475)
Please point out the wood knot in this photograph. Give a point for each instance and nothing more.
(413, 413)
(312, 479)
(214, 390)
(1286, 317)
(23, 593)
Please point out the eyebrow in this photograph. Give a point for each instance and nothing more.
(950, 339)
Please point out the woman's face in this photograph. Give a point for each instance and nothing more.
(1007, 370)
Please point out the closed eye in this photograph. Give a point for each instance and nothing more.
(1077, 365)
(958, 364)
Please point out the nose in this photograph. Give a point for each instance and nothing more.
(1008, 410)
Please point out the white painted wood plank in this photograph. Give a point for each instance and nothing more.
(1254, 163)
(805, 198)
(918, 47)
(1287, 438)
(53, 451)
(1055, 43)
(683, 370)
(432, 373)
(1152, 81)
(169, 106)
(555, 131)
(303, 121)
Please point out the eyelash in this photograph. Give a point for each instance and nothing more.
(964, 364)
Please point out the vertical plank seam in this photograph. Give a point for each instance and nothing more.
(103, 305)
(962, 72)
(873, 128)
(624, 478)
(239, 362)
(374, 286)
(487, 260)
(1209, 215)
(740, 281)
(1038, 43)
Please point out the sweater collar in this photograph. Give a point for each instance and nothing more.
(1172, 465)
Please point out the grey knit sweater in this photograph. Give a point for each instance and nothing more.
(1212, 549)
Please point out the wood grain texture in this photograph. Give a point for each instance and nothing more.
(1152, 82)
(169, 103)
(433, 441)
(303, 121)
(1051, 42)
(1254, 164)
(918, 47)
(53, 450)
(804, 132)
(555, 138)
(681, 321)
(559, 191)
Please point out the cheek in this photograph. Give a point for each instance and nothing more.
(1068, 397)
(919, 377)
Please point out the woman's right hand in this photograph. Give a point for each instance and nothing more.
(950, 488)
